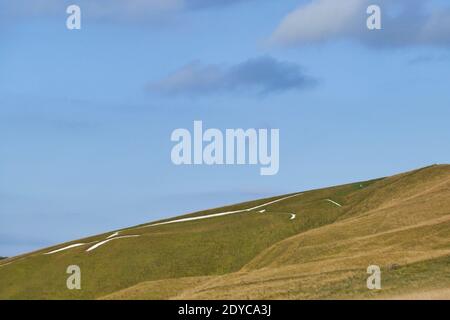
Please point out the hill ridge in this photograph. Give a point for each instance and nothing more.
(259, 252)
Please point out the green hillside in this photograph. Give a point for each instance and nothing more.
(314, 244)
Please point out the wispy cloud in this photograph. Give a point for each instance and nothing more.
(428, 58)
(115, 10)
(261, 75)
(404, 23)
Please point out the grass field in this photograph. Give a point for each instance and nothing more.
(401, 223)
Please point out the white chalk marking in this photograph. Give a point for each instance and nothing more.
(274, 201)
(95, 246)
(113, 235)
(334, 202)
(214, 215)
(66, 248)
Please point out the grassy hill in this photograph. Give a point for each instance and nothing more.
(401, 223)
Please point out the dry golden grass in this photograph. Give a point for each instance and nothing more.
(160, 289)
(441, 294)
(401, 221)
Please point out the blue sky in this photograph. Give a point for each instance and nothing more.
(86, 115)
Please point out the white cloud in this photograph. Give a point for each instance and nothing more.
(317, 21)
(404, 23)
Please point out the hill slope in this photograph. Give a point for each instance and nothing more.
(315, 244)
